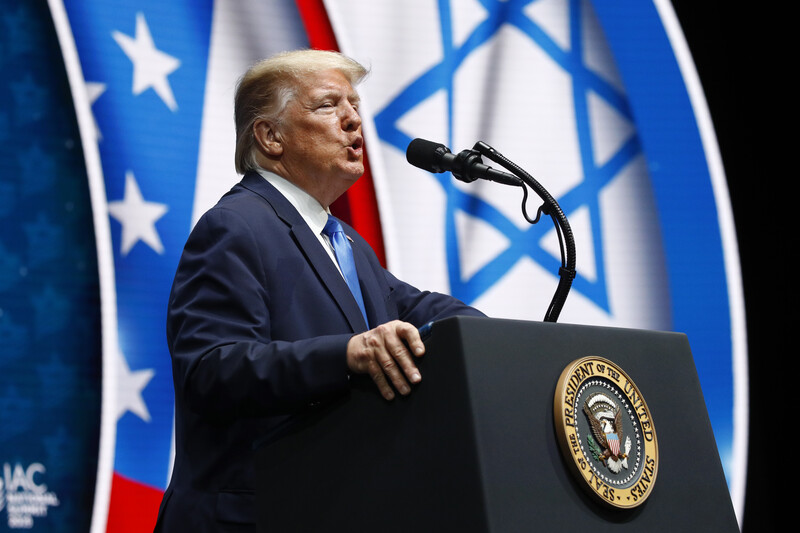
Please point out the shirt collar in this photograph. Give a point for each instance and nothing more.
(309, 208)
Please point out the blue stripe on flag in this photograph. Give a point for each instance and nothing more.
(677, 163)
(146, 65)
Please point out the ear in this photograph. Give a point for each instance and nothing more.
(268, 138)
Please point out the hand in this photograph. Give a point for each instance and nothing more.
(385, 354)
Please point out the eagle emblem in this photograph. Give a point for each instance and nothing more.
(606, 432)
(605, 419)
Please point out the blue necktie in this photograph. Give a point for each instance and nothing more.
(344, 255)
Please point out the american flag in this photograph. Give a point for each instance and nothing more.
(613, 443)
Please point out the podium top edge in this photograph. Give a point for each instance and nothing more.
(542, 324)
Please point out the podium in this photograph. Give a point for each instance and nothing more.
(474, 448)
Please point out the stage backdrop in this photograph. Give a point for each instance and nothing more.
(116, 134)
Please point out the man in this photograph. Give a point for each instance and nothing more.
(261, 321)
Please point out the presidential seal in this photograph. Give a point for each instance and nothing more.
(605, 432)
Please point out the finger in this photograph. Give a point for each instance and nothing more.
(391, 353)
(410, 335)
(401, 364)
(389, 362)
(379, 378)
(410, 343)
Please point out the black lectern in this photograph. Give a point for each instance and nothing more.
(474, 449)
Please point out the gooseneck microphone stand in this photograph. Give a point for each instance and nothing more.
(549, 207)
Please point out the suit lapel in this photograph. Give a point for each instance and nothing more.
(330, 276)
(371, 291)
(311, 248)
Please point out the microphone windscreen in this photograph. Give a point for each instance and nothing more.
(425, 154)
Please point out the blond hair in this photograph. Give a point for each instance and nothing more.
(268, 86)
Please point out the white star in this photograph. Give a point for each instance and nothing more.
(150, 65)
(94, 90)
(129, 389)
(138, 217)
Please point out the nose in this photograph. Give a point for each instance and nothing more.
(351, 120)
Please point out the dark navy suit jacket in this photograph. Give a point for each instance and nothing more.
(258, 323)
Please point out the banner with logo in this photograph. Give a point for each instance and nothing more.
(117, 134)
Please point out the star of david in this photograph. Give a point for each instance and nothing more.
(585, 195)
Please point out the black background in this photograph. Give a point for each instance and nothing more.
(736, 51)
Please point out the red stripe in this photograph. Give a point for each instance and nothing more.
(359, 205)
(318, 26)
(613, 443)
(133, 507)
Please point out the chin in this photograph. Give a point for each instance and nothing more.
(355, 172)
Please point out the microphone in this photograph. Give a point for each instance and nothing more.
(466, 166)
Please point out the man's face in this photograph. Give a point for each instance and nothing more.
(320, 134)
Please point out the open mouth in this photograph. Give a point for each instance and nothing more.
(356, 147)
